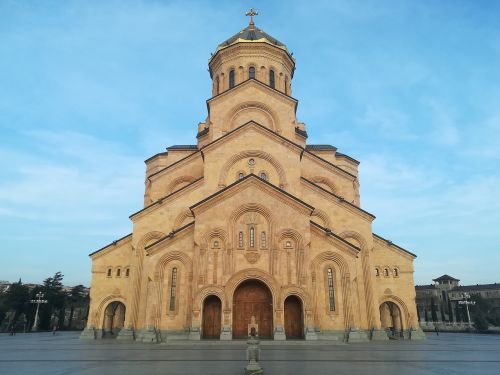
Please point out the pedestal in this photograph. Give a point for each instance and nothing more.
(417, 334)
(379, 335)
(311, 334)
(195, 334)
(149, 335)
(279, 334)
(226, 334)
(89, 333)
(357, 335)
(126, 334)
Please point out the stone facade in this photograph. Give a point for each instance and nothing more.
(252, 222)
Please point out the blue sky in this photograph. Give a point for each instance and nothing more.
(90, 89)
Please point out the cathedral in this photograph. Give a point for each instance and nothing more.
(252, 228)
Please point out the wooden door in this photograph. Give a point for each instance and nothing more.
(252, 298)
(294, 324)
(212, 317)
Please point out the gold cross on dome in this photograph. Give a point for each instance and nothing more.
(251, 13)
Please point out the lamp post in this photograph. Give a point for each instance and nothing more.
(466, 302)
(38, 301)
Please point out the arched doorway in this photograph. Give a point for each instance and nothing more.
(294, 318)
(114, 318)
(212, 314)
(252, 298)
(391, 320)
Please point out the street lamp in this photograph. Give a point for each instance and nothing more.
(466, 302)
(38, 301)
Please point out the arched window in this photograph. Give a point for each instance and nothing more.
(286, 85)
(377, 272)
(240, 240)
(173, 288)
(109, 272)
(271, 79)
(216, 244)
(251, 72)
(127, 272)
(386, 272)
(331, 296)
(263, 175)
(396, 272)
(252, 237)
(241, 175)
(118, 272)
(231, 78)
(217, 85)
(263, 240)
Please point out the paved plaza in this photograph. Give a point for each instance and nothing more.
(42, 353)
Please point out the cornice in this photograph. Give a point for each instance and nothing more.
(391, 245)
(176, 164)
(172, 236)
(159, 202)
(338, 200)
(334, 168)
(335, 239)
(254, 180)
(106, 249)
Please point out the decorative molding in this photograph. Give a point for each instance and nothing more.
(252, 256)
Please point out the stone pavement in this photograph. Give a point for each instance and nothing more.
(452, 353)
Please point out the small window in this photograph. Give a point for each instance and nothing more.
(231, 79)
(263, 240)
(109, 272)
(216, 244)
(240, 240)
(217, 85)
(288, 244)
(252, 237)
(377, 272)
(286, 85)
(127, 272)
(271, 79)
(263, 175)
(251, 72)
(331, 296)
(396, 272)
(386, 272)
(173, 289)
(118, 272)
(241, 175)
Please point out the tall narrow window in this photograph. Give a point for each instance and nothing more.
(331, 296)
(173, 289)
(286, 85)
(396, 272)
(118, 272)
(263, 175)
(109, 272)
(377, 272)
(263, 240)
(127, 272)
(271, 78)
(241, 175)
(251, 72)
(217, 85)
(252, 237)
(231, 78)
(240, 240)
(386, 272)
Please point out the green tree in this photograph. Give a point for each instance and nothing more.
(53, 290)
(17, 298)
(76, 298)
(433, 310)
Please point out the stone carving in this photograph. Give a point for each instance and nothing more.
(252, 257)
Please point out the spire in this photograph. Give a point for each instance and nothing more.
(251, 13)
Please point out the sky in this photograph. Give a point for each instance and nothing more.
(90, 89)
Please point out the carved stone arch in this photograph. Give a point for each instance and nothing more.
(203, 293)
(181, 218)
(345, 281)
(251, 274)
(169, 257)
(262, 108)
(346, 235)
(296, 291)
(250, 207)
(98, 315)
(147, 238)
(257, 154)
(325, 181)
(402, 307)
(290, 233)
(177, 181)
(323, 216)
(214, 233)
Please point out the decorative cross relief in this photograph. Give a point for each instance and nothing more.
(252, 218)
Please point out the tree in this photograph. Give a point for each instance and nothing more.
(76, 297)
(16, 298)
(53, 290)
(433, 310)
